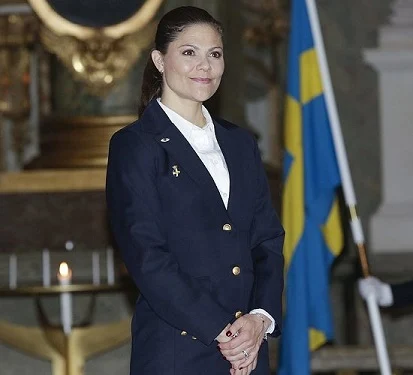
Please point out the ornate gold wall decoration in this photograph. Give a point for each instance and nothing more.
(269, 24)
(97, 56)
(99, 61)
(17, 35)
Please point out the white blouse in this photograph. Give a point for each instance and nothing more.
(205, 144)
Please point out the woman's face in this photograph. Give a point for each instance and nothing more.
(193, 64)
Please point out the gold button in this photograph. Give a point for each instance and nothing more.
(193, 338)
(238, 314)
(184, 333)
(236, 270)
(227, 227)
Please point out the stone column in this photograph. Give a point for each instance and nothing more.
(391, 227)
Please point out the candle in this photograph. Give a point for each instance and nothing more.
(46, 267)
(65, 277)
(13, 271)
(110, 266)
(95, 268)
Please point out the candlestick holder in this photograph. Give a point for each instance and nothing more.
(67, 353)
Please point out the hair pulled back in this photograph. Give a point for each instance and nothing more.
(170, 25)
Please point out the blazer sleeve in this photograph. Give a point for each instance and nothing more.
(267, 236)
(402, 294)
(135, 216)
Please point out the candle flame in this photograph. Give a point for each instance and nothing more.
(64, 269)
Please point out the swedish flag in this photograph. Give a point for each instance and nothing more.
(310, 210)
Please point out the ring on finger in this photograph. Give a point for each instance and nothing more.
(246, 354)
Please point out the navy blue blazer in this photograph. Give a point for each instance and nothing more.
(196, 263)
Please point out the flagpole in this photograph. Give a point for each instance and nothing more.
(348, 190)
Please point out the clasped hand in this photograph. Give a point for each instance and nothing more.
(240, 342)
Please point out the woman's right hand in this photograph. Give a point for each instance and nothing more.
(249, 331)
(222, 337)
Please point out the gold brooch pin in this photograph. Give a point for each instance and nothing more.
(175, 170)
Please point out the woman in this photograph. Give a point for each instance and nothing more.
(191, 212)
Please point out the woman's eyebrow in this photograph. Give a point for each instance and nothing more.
(196, 47)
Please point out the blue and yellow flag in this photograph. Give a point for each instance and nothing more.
(311, 215)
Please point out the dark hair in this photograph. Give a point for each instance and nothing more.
(170, 25)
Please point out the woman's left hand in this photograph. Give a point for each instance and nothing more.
(248, 332)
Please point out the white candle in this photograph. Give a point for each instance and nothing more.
(13, 271)
(95, 268)
(46, 267)
(110, 266)
(65, 277)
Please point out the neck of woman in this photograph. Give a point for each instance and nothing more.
(189, 110)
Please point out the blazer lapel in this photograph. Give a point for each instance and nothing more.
(172, 140)
(233, 158)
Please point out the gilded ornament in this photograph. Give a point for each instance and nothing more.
(99, 57)
(99, 61)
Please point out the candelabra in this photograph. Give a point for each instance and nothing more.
(66, 346)
(67, 352)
